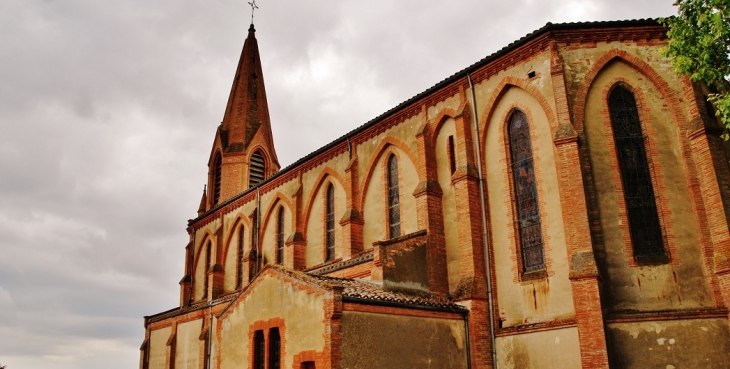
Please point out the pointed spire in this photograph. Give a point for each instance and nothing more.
(247, 111)
(201, 208)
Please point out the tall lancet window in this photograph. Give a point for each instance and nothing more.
(393, 197)
(274, 349)
(208, 246)
(644, 226)
(257, 169)
(525, 192)
(330, 222)
(217, 179)
(280, 236)
(239, 258)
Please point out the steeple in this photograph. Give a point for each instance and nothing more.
(245, 133)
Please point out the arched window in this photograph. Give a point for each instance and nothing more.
(644, 227)
(256, 169)
(216, 179)
(208, 246)
(393, 197)
(239, 258)
(330, 222)
(525, 194)
(280, 236)
(255, 243)
(274, 349)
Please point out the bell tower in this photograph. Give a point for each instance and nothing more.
(243, 153)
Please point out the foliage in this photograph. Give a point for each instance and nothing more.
(699, 42)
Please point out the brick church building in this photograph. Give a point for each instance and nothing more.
(561, 203)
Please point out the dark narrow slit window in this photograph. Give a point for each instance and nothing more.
(452, 155)
(393, 197)
(274, 349)
(525, 192)
(644, 226)
(217, 179)
(206, 266)
(258, 350)
(239, 258)
(330, 222)
(280, 236)
(255, 252)
(257, 169)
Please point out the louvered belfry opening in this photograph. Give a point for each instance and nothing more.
(217, 179)
(257, 169)
(529, 224)
(644, 226)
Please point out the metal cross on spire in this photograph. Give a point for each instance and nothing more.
(253, 7)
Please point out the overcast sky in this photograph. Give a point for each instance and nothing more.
(108, 112)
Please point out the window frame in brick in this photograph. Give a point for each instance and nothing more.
(528, 219)
(217, 174)
(239, 257)
(280, 235)
(256, 168)
(330, 222)
(634, 167)
(274, 359)
(393, 192)
(259, 350)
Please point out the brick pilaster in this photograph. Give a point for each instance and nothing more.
(584, 278)
(351, 222)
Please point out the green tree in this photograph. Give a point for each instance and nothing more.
(699, 42)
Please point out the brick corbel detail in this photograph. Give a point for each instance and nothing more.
(429, 208)
(584, 279)
(351, 222)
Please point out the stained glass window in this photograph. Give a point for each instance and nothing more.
(525, 192)
(393, 197)
(280, 236)
(644, 227)
(330, 220)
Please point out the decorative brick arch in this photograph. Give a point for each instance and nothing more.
(434, 126)
(326, 176)
(375, 159)
(279, 198)
(504, 86)
(634, 62)
(207, 235)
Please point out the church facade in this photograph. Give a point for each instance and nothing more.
(561, 203)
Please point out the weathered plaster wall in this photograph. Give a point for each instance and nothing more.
(682, 282)
(301, 311)
(545, 350)
(372, 340)
(158, 348)
(535, 300)
(187, 351)
(697, 343)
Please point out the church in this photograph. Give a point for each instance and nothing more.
(561, 203)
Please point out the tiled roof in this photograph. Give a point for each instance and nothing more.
(332, 267)
(454, 77)
(197, 306)
(368, 291)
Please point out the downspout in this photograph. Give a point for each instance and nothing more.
(259, 257)
(466, 334)
(485, 229)
(210, 334)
